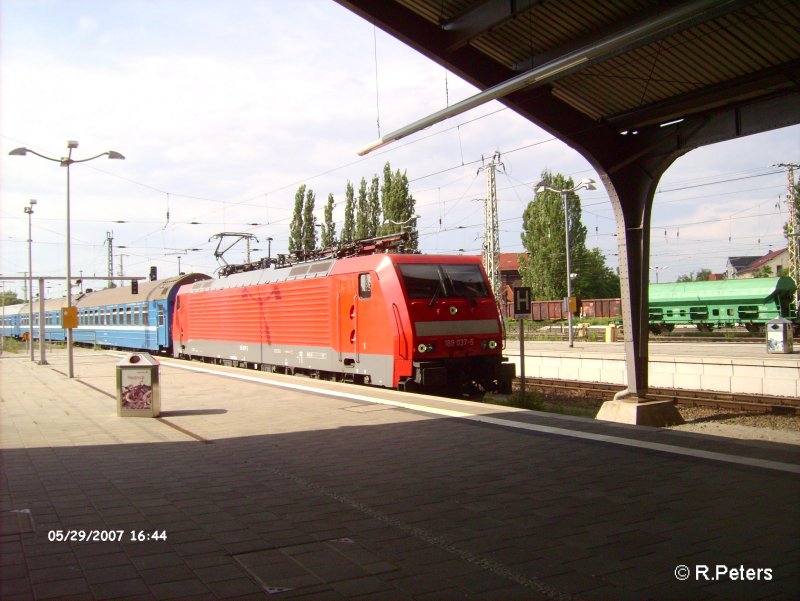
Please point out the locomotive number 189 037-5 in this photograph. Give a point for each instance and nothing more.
(459, 342)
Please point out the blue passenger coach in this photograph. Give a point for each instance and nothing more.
(112, 317)
(11, 320)
(116, 317)
(17, 320)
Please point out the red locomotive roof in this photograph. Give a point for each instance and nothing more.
(316, 269)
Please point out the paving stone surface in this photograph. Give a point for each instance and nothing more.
(242, 490)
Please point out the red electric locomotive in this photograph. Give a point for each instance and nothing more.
(397, 320)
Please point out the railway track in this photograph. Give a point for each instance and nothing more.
(698, 398)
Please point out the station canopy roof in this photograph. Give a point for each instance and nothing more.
(625, 64)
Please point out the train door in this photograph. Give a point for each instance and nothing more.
(178, 325)
(360, 326)
(162, 327)
(347, 313)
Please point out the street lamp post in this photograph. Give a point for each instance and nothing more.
(657, 268)
(66, 162)
(586, 184)
(29, 212)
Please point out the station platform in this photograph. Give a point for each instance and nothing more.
(720, 367)
(257, 486)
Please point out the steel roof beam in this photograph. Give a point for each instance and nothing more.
(482, 18)
(635, 35)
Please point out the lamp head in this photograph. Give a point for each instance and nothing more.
(113, 154)
(587, 183)
(72, 144)
(544, 186)
(32, 201)
(19, 152)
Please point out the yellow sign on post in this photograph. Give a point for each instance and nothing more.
(69, 317)
(570, 304)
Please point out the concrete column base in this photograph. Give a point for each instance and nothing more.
(640, 412)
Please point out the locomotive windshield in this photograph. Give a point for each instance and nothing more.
(435, 280)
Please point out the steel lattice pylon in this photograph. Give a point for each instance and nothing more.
(793, 231)
(792, 227)
(491, 244)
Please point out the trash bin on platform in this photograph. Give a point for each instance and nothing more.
(611, 332)
(138, 386)
(779, 336)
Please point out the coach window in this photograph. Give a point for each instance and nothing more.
(364, 285)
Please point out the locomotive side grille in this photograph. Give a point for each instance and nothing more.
(456, 328)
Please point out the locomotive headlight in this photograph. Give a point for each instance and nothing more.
(425, 348)
(453, 310)
(492, 344)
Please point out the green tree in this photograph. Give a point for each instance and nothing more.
(362, 212)
(328, 234)
(701, 276)
(544, 268)
(296, 227)
(349, 227)
(389, 201)
(9, 297)
(595, 278)
(374, 207)
(309, 223)
(397, 203)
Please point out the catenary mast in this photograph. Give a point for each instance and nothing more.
(491, 243)
(792, 225)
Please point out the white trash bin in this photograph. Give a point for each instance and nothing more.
(138, 386)
(779, 336)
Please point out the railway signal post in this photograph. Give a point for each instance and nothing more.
(522, 309)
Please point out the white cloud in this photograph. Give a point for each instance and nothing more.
(86, 25)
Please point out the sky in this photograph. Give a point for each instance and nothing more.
(223, 109)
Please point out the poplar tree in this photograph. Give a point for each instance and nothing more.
(362, 211)
(309, 229)
(388, 201)
(374, 208)
(398, 204)
(349, 227)
(544, 268)
(328, 235)
(296, 227)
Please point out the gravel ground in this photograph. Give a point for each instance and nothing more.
(703, 420)
(752, 426)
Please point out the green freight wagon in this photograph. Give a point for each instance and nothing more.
(722, 303)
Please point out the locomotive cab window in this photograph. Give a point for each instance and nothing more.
(364, 285)
(432, 280)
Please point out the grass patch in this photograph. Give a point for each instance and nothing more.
(12, 345)
(539, 402)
